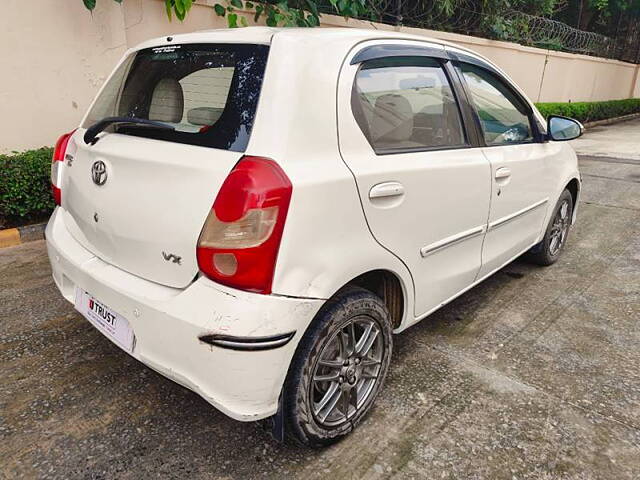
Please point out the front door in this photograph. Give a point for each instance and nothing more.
(519, 170)
(424, 189)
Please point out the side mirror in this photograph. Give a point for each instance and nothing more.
(563, 128)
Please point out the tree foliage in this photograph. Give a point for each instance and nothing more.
(291, 13)
(584, 14)
(499, 19)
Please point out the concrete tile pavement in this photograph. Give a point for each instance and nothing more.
(620, 140)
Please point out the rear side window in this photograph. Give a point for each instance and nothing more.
(406, 103)
(207, 93)
(503, 116)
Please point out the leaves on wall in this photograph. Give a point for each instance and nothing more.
(292, 13)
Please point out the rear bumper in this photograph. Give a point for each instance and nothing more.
(202, 337)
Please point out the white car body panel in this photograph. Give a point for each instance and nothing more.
(333, 232)
(519, 201)
(325, 220)
(441, 261)
(156, 199)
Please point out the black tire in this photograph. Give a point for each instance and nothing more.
(546, 252)
(302, 422)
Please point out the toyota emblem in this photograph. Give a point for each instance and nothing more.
(99, 172)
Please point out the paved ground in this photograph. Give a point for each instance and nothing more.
(533, 374)
(622, 140)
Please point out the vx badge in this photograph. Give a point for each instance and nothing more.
(172, 257)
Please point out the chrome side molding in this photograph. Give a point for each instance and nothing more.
(449, 241)
(474, 232)
(519, 213)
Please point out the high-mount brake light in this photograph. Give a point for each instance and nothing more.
(239, 243)
(56, 162)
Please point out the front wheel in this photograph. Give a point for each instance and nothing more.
(338, 369)
(548, 250)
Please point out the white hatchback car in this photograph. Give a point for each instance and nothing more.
(254, 212)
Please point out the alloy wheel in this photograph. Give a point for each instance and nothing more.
(346, 372)
(559, 229)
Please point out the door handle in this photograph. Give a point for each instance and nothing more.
(386, 189)
(502, 172)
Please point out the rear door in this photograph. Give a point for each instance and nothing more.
(139, 196)
(520, 172)
(424, 187)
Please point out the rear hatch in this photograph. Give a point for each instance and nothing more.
(138, 197)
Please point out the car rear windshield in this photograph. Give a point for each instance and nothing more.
(207, 93)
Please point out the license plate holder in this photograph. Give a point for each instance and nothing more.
(108, 321)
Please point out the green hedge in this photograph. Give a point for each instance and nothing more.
(591, 111)
(25, 187)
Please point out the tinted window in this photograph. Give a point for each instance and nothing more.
(406, 103)
(207, 93)
(504, 118)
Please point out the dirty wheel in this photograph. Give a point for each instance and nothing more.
(548, 250)
(338, 369)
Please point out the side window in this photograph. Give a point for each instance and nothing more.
(502, 114)
(406, 103)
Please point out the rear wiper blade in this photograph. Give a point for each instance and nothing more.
(91, 135)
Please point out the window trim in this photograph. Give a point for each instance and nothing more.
(400, 150)
(537, 135)
(475, 135)
(469, 134)
(385, 50)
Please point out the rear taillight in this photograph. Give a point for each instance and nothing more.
(56, 162)
(239, 242)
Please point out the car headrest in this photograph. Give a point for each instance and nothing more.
(204, 115)
(167, 102)
(392, 119)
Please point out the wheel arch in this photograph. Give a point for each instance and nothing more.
(574, 188)
(389, 287)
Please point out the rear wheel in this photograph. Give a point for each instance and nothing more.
(339, 368)
(548, 250)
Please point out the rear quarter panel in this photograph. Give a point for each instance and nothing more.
(326, 241)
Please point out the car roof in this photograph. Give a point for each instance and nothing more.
(313, 38)
(266, 35)
(281, 97)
